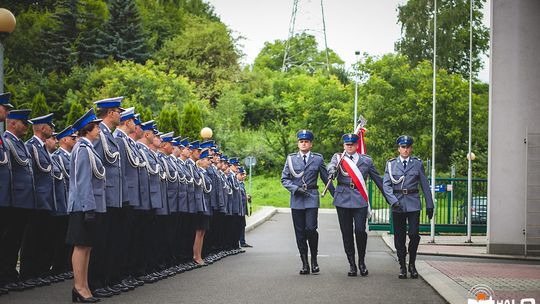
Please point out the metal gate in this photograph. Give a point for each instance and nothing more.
(451, 207)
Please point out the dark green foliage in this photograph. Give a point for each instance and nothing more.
(416, 18)
(76, 110)
(39, 105)
(168, 119)
(191, 121)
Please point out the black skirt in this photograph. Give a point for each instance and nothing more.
(201, 221)
(81, 233)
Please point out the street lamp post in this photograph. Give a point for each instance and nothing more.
(357, 53)
(7, 25)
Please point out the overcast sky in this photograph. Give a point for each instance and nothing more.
(365, 25)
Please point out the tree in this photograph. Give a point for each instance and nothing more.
(76, 110)
(304, 53)
(416, 18)
(59, 38)
(39, 105)
(122, 36)
(191, 121)
(204, 52)
(168, 119)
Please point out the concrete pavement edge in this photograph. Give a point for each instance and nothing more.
(445, 286)
(259, 217)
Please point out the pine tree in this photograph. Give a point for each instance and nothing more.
(76, 110)
(39, 105)
(168, 119)
(191, 120)
(122, 37)
(59, 38)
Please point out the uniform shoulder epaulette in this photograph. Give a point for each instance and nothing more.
(292, 154)
(365, 155)
(417, 158)
(317, 154)
(391, 159)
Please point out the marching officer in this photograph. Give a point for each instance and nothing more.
(37, 248)
(351, 206)
(401, 178)
(15, 215)
(299, 176)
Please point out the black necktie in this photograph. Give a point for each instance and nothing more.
(404, 164)
(351, 157)
(305, 161)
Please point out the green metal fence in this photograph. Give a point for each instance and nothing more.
(450, 211)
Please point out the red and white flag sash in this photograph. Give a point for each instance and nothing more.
(361, 142)
(356, 176)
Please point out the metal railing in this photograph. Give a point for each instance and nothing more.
(451, 207)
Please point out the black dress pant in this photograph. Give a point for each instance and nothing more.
(98, 268)
(305, 229)
(61, 250)
(37, 247)
(400, 220)
(347, 217)
(14, 221)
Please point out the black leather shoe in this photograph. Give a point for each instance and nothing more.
(353, 271)
(102, 293)
(3, 291)
(45, 281)
(77, 298)
(314, 265)
(15, 286)
(246, 245)
(402, 268)
(118, 288)
(115, 291)
(412, 271)
(34, 283)
(128, 284)
(305, 264)
(363, 269)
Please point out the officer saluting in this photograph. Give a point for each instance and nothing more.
(299, 176)
(401, 179)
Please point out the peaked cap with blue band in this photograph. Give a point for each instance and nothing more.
(350, 138)
(148, 125)
(241, 170)
(68, 131)
(113, 102)
(127, 114)
(404, 140)
(234, 161)
(194, 145)
(22, 114)
(4, 100)
(43, 120)
(205, 153)
(88, 117)
(207, 144)
(138, 119)
(184, 142)
(304, 135)
(167, 137)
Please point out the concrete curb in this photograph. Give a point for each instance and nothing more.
(259, 217)
(389, 241)
(446, 287)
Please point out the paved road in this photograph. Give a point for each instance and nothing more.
(268, 273)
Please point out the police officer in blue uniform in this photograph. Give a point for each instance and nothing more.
(86, 203)
(5, 170)
(402, 177)
(15, 215)
(61, 159)
(37, 248)
(299, 176)
(105, 253)
(150, 184)
(350, 204)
